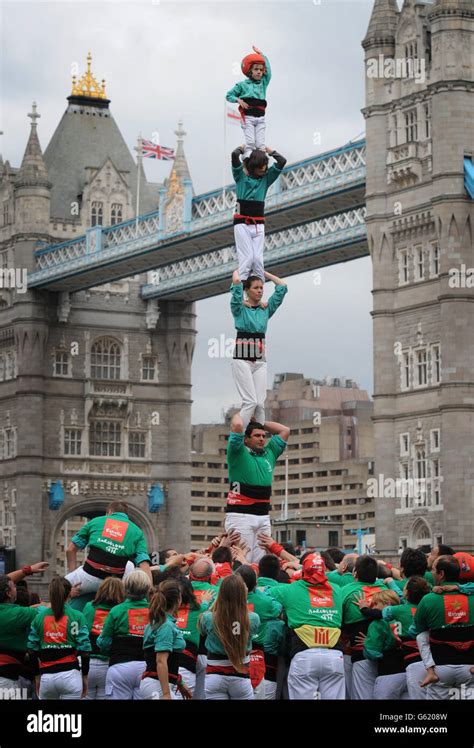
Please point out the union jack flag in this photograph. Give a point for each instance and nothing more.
(153, 150)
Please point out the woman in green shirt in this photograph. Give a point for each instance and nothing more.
(249, 366)
(229, 629)
(162, 644)
(110, 593)
(58, 635)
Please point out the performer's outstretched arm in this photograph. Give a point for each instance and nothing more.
(277, 428)
(237, 424)
(274, 278)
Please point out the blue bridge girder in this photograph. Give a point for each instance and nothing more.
(316, 244)
(326, 186)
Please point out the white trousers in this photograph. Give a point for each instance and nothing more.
(15, 689)
(224, 687)
(250, 378)
(266, 690)
(391, 687)
(150, 689)
(455, 682)
(317, 673)
(88, 582)
(415, 674)
(249, 242)
(189, 680)
(123, 680)
(199, 688)
(249, 526)
(65, 685)
(348, 675)
(364, 674)
(254, 134)
(96, 679)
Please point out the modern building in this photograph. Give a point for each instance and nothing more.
(323, 473)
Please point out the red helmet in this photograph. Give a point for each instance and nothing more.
(250, 60)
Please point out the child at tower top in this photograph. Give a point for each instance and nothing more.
(250, 96)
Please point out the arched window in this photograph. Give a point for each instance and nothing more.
(115, 213)
(420, 534)
(105, 359)
(97, 214)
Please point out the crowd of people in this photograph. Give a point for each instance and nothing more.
(214, 624)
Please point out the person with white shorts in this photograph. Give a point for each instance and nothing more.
(110, 593)
(228, 652)
(162, 644)
(115, 545)
(249, 363)
(57, 638)
(122, 639)
(313, 608)
(251, 464)
(250, 95)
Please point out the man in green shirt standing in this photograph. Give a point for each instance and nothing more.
(449, 618)
(313, 608)
(113, 541)
(251, 464)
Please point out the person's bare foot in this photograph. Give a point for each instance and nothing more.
(431, 677)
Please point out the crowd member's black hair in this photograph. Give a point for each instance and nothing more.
(413, 562)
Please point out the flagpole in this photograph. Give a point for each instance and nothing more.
(225, 153)
(139, 159)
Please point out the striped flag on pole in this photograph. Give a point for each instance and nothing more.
(233, 115)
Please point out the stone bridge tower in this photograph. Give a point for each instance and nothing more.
(420, 219)
(95, 386)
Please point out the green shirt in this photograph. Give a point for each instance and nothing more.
(307, 604)
(213, 643)
(125, 624)
(254, 188)
(401, 583)
(187, 622)
(267, 610)
(350, 612)
(164, 638)
(340, 579)
(114, 534)
(246, 466)
(251, 89)
(70, 632)
(380, 639)
(447, 610)
(199, 587)
(95, 616)
(254, 319)
(264, 583)
(15, 622)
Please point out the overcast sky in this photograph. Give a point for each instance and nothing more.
(162, 60)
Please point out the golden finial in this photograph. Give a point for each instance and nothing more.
(174, 186)
(87, 85)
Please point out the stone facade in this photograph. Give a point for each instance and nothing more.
(419, 128)
(95, 386)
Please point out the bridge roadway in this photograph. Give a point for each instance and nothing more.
(314, 214)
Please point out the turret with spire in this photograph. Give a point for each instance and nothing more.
(32, 186)
(180, 166)
(382, 25)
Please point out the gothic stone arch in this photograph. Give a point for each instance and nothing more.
(87, 506)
